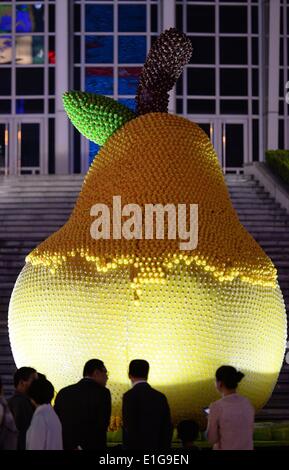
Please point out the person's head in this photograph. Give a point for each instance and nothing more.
(227, 378)
(188, 431)
(138, 370)
(23, 378)
(96, 370)
(41, 392)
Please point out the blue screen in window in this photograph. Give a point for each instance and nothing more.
(131, 49)
(132, 18)
(130, 103)
(99, 18)
(99, 80)
(99, 49)
(93, 150)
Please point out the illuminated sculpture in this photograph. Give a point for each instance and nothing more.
(186, 312)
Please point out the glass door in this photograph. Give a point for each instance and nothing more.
(234, 145)
(4, 148)
(22, 149)
(29, 147)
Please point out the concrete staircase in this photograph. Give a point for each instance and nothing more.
(33, 207)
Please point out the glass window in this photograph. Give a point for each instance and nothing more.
(29, 49)
(51, 19)
(203, 50)
(255, 51)
(179, 17)
(201, 81)
(30, 18)
(5, 18)
(5, 106)
(99, 80)
(234, 82)
(51, 145)
(255, 107)
(254, 20)
(93, 150)
(281, 107)
(99, 49)
(255, 142)
(234, 107)
(30, 81)
(233, 19)
(27, 106)
(132, 49)
(51, 81)
(201, 106)
(179, 85)
(129, 102)
(76, 18)
(5, 82)
(200, 19)
(51, 51)
(128, 80)
(5, 49)
(233, 50)
(132, 18)
(51, 106)
(99, 18)
(281, 141)
(179, 106)
(255, 82)
(76, 49)
(154, 18)
(76, 78)
(234, 145)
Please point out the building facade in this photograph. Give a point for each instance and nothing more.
(234, 86)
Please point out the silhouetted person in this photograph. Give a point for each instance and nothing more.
(84, 409)
(188, 431)
(231, 419)
(20, 404)
(145, 411)
(8, 430)
(45, 431)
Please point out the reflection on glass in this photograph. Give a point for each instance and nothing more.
(131, 49)
(128, 80)
(99, 18)
(30, 18)
(5, 49)
(99, 49)
(29, 50)
(99, 80)
(5, 19)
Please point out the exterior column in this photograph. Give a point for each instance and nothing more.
(62, 154)
(273, 75)
(169, 21)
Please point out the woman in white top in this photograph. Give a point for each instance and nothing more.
(231, 419)
(45, 431)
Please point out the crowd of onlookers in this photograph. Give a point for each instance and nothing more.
(81, 413)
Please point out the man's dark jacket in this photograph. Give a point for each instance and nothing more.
(22, 410)
(84, 411)
(146, 419)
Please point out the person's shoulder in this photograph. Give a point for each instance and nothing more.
(67, 390)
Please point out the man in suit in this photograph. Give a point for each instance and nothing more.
(20, 403)
(145, 412)
(84, 409)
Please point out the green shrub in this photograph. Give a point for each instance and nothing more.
(278, 161)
